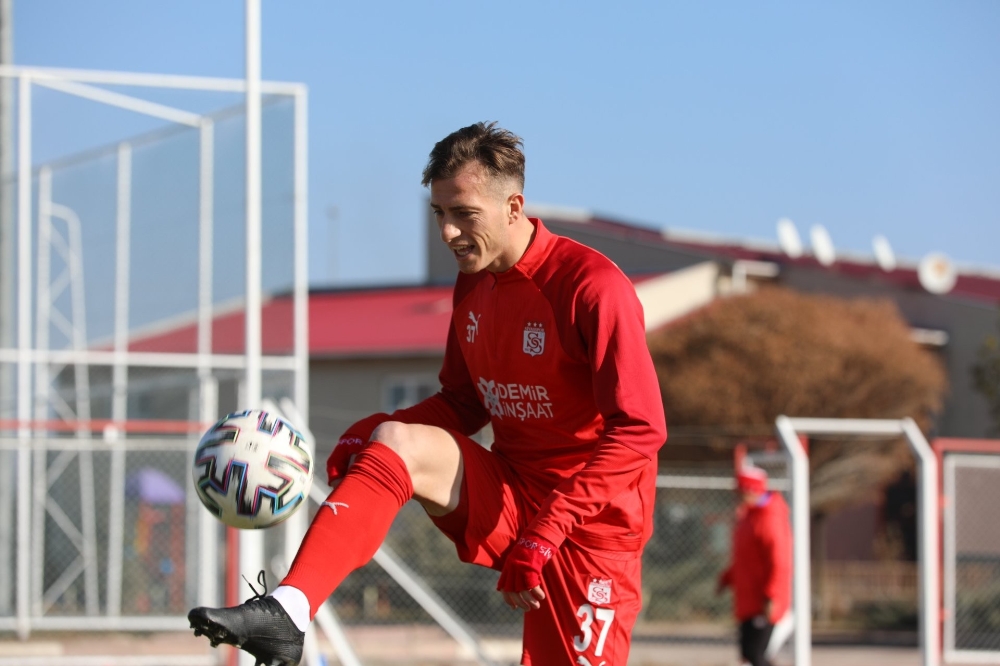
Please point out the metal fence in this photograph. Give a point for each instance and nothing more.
(104, 554)
(972, 557)
(138, 562)
(689, 549)
(682, 562)
(104, 548)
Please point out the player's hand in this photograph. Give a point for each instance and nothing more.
(528, 600)
(722, 583)
(521, 577)
(349, 446)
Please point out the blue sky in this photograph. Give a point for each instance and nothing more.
(715, 116)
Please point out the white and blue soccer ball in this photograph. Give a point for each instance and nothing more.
(252, 470)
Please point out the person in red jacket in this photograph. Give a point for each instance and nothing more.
(547, 344)
(761, 569)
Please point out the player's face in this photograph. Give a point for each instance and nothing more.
(750, 498)
(475, 218)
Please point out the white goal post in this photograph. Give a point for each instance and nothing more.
(788, 430)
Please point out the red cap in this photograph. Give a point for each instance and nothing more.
(752, 480)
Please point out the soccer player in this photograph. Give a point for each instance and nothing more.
(547, 343)
(761, 569)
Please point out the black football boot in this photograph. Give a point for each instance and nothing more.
(259, 626)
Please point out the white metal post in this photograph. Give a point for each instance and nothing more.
(208, 386)
(123, 254)
(253, 204)
(301, 261)
(928, 540)
(206, 203)
(43, 281)
(79, 313)
(8, 490)
(295, 529)
(295, 526)
(119, 380)
(7, 318)
(145, 80)
(251, 557)
(801, 565)
(24, 349)
(81, 375)
(42, 321)
(208, 526)
(121, 101)
(299, 407)
(8, 485)
(949, 553)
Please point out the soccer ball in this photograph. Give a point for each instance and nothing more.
(252, 470)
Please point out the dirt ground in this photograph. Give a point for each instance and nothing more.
(396, 646)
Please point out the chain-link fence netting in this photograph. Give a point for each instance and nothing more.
(972, 554)
(101, 546)
(690, 547)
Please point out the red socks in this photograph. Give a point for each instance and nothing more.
(351, 524)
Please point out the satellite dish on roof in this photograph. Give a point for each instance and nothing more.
(822, 245)
(936, 273)
(788, 238)
(884, 255)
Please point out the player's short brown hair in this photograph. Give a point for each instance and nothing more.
(497, 150)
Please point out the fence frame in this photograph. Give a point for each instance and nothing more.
(107, 621)
(81, 83)
(947, 451)
(788, 430)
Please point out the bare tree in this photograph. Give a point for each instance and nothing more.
(743, 361)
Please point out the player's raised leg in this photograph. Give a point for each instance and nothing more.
(400, 462)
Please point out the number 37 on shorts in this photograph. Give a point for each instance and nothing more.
(594, 622)
(602, 625)
(591, 613)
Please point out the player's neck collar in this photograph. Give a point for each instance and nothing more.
(533, 257)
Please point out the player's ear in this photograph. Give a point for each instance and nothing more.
(515, 206)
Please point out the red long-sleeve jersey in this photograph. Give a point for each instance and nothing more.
(553, 353)
(761, 566)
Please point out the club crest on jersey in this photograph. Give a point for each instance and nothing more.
(534, 339)
(599, 590)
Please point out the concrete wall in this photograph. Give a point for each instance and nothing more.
(342, 391)
(441, 265)
(673, 295)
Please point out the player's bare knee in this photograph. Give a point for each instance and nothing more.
(400, 437)
(392, 434)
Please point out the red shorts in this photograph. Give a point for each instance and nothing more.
(592, 597)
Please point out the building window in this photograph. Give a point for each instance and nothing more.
(399, 391)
